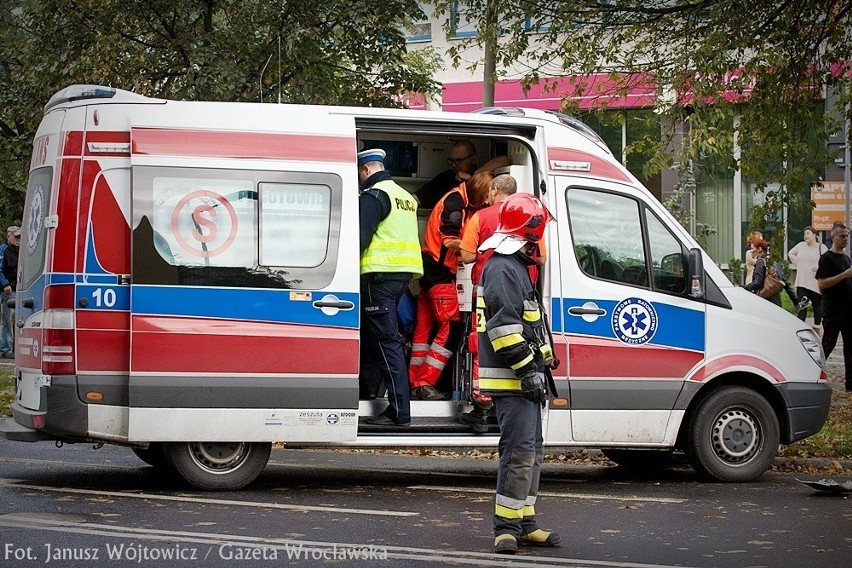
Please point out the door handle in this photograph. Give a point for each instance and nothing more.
(341, 304)
(589, 312)
(331, 305)
(583, 311)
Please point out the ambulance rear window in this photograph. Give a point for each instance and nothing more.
(31, 257)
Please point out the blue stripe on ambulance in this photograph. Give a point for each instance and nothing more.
(249, 304)
(677, 327)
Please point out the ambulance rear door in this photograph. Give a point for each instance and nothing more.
(244, 301)
(633, 331)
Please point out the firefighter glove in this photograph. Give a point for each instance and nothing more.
(532, 387)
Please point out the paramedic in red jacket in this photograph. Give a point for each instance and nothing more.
(390, 258)
(437, 304)
(512, 356)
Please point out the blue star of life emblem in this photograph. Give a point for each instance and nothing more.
(634, 321)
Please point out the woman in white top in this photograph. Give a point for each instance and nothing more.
(750, 258)
(805, 257)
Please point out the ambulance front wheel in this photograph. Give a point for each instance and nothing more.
(733, 435)
(218, 466)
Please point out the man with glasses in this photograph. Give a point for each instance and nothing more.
(463, 164)
(834, 278)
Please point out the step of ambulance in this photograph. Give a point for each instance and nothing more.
(424, 425)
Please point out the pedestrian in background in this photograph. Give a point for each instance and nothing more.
(8, 282)
(834, 277)
(390, 258)
(512, 338)
(805, 258)
(750, 260)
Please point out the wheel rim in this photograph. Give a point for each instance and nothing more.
(736, 436)
(219, 457)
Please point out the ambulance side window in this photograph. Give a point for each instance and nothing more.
(235, 228)
(668, 263)
(607, 236)
(617, 238)
(204, 222)
(296, 215)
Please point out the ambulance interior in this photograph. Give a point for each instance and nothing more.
(413, 162)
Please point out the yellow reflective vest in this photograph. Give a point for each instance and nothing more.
(395, 246)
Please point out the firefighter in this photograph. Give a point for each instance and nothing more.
(390, 258)
(513, 352)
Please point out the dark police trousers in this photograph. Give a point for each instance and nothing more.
(382, 355)
(521, 454)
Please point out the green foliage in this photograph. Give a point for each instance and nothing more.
(7, 393)
(705, 59)
(299, 51)
(737, 270)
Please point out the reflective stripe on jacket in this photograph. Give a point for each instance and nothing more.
(510, 328)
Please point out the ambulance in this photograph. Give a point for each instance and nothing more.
(188, 287)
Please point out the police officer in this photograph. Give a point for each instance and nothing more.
(390, 258)
(513, 351)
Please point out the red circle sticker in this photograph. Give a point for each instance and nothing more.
(204, 223)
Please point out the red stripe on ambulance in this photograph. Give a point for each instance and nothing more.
(579, 163)
(65, 234)
(592, 358)
(729, 363)
(244, 145)
(195, 345)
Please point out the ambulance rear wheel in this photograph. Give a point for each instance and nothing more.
(218, 466)
(733, 435)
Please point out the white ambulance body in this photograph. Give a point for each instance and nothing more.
(189, 287)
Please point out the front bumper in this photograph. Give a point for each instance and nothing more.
(807, 405)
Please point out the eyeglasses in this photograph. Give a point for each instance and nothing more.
(458, 161)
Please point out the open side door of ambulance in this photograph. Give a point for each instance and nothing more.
(633, 331)
(244, 300)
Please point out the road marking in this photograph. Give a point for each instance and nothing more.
(59, 462)
(157, 497)
(632, 498)
(286, 548)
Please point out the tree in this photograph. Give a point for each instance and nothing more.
(708, 57)
(299, 51)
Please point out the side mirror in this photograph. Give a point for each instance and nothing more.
(695, 274)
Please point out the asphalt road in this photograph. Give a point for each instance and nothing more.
(77, 506)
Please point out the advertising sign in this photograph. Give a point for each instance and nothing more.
(829, 199)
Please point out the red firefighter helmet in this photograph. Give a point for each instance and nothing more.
(524, 216)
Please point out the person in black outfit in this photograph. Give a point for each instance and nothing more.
(8, 282)
(463, 164)
(834, 277)
(390, 258)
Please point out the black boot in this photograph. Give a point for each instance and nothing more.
(476, 419)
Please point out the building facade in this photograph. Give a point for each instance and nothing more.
(719, 204)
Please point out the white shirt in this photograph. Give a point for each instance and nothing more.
(805, 258)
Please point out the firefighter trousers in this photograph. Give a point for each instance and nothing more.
(521, 453)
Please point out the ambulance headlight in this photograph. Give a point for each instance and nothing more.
(812, 344)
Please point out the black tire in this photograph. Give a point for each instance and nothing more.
(218, 466)
(152, 455)
(639, 458)
(733, 435)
